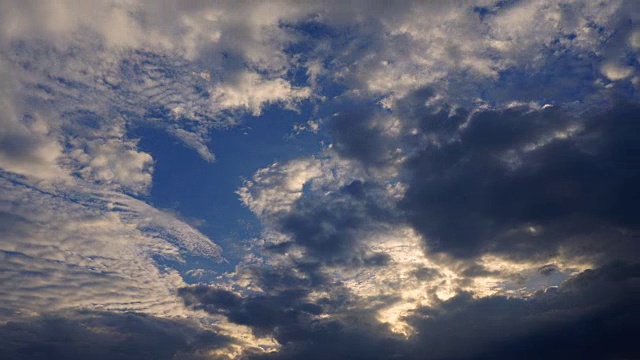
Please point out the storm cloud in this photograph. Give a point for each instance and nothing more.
(526, 182)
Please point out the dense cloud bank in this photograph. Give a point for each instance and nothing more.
(104, 335)
(590, 316)
(527, 182)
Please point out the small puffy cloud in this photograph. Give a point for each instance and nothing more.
(525, 182)
(113, 162)
(274, 189)
(251, 92)
(616, 72)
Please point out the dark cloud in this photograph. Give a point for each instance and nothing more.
(282, 304)
(590, 316)
(103, 335)
(357, 137)
(264, 313)
(547, 269)
(520, 181)
(354, 337)
(328, 226)
(293, 322)
(507, 182)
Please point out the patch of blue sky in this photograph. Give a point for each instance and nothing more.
(204, 193)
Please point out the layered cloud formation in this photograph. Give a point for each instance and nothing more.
(474, 195)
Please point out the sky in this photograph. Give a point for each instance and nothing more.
(319, 179)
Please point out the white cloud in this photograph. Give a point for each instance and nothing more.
(68, 248)
(274, 189)
(252, 92)
(115, 162)
(615, 72)
(145, 61)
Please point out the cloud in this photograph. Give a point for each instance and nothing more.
(113, 161)
(470, 51)
(275, 189)
(146, 64)
(251, 92)
(107, 335)
(56, 241)
(544, 325)
(591, 303)
(329, 225)
(27, 148)
(343, 227)
(463, 179)
(616, 72)
(525, 182)
(285, 313)
(363, 133)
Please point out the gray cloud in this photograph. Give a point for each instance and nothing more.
(591, 316)
(108, 336)
(527, 182)
(329, 226)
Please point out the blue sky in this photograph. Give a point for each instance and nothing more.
(204, 193)
(318, 180)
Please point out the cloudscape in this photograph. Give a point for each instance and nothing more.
(319, 179)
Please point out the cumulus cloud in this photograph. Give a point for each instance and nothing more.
(115, 162)
(463, 50)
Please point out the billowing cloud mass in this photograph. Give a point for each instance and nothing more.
(319, 180)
